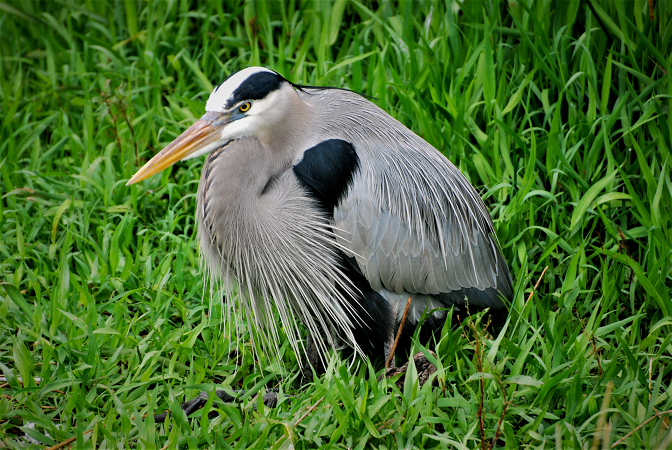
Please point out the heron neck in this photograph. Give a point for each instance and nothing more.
(290, 129)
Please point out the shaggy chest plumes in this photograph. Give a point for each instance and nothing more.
(251, 227)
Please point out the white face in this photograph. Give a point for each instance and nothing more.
(252, 103)
(262, 114)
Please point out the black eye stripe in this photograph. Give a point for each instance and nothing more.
(255, 87)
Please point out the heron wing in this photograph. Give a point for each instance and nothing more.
(457, 261)
(410, 218)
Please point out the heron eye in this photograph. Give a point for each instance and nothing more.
(245, 107)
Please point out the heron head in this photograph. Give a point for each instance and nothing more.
(251, 102)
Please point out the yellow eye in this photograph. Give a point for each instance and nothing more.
(245, 107)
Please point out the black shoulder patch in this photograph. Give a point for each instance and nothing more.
(255, 87)
(327, 170)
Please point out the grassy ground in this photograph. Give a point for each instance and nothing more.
(559, 113)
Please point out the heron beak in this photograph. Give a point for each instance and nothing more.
(197, 136)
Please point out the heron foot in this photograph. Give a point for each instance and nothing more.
(270, 400)
(422, 365)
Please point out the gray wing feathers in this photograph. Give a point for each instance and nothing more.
(411, 219)
(391, 257)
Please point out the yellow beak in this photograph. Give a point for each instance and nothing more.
(195, 137)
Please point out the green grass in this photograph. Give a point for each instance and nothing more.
(559, 114)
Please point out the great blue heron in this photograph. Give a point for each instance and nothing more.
(326, 209)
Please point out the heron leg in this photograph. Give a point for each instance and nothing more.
(388, 349)
(314, 361)
(313, 355)
(389, 343)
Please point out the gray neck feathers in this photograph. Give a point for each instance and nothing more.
(289, 124)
